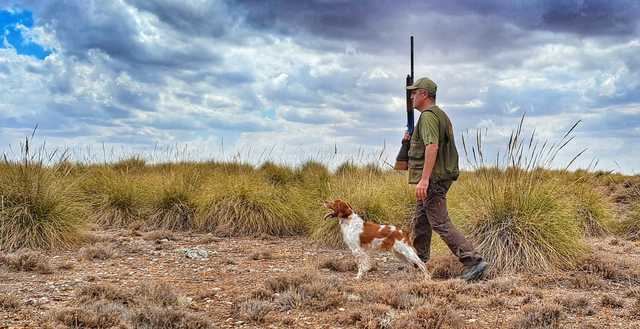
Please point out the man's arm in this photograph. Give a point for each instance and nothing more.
(430, 154)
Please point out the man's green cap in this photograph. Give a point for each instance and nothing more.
(424, 83)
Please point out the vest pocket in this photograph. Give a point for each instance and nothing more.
(416, 150)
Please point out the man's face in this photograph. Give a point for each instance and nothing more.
(418, 97)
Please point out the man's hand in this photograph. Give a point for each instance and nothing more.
(421, 189)
(406, 136)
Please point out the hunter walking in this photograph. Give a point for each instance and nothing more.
(433, 166)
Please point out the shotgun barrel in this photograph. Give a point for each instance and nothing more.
(402, 160)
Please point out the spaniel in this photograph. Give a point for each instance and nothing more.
(361, 236)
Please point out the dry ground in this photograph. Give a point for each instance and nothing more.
(290, 283)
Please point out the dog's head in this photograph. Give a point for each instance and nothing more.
(339, 209)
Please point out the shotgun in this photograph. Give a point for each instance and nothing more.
(402, 160)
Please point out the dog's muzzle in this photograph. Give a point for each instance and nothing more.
(329, 215)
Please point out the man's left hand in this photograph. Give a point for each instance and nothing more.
(421, 189)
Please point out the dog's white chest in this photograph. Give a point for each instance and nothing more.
(351, 229)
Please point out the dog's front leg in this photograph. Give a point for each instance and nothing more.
(362, 258)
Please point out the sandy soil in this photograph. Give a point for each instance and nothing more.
(231, 274)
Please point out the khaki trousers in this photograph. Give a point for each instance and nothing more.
(432, 215)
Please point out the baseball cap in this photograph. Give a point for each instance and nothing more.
(424, 83)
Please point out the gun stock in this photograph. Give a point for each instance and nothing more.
(402, 160)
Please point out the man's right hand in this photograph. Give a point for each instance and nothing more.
(406, 136)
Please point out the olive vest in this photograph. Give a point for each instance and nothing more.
(446, 166)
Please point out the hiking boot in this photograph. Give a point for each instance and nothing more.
(475, 272)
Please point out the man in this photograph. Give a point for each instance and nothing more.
(433, 166)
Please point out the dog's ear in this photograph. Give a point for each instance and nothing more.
(348, 205)
(343, 210)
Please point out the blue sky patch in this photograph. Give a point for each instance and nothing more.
(9, 22)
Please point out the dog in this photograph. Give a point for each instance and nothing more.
(361, 236)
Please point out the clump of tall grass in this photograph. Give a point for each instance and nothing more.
(115, 197)
(247, 205)
(519, 216)
(134, 163)
(314, 175)
(594, 212)
(277, 174)
(346, 168)
(630, 226)
(173, 201)
(38, 209)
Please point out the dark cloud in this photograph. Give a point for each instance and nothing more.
(202, 18)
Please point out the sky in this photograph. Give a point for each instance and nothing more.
(289, 81)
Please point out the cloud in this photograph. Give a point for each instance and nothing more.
(320, 74)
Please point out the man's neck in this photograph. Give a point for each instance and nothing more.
(425, 107)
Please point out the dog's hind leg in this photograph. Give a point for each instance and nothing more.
(406, 253)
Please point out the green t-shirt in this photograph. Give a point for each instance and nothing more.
(433, 127)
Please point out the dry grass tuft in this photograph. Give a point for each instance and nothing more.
(103, 292)
(611, 301)
(370, 316)
(300, 290)
(253, 310)
(39, 206)
(99, 251)
(260, 255)
(27, 261)
(159, 235)
(635, 310)
(277, 174)
(288, 281)
(116, 199)
(158, 294)
(99, 315)
(434, 315)
(519, 215)
(575, 303)
(610, 269)
(9, 302)
(395, 296)
(445, 267)
(594, 212)
(146, 306)
(585, 281)
(496, 301)
(339, 265)
(168, 318)
(630, 226)
(131, 164)
(172, 206)
(241, 205)
(633, 292)
(538, 316)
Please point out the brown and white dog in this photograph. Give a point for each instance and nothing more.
(361, 236)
